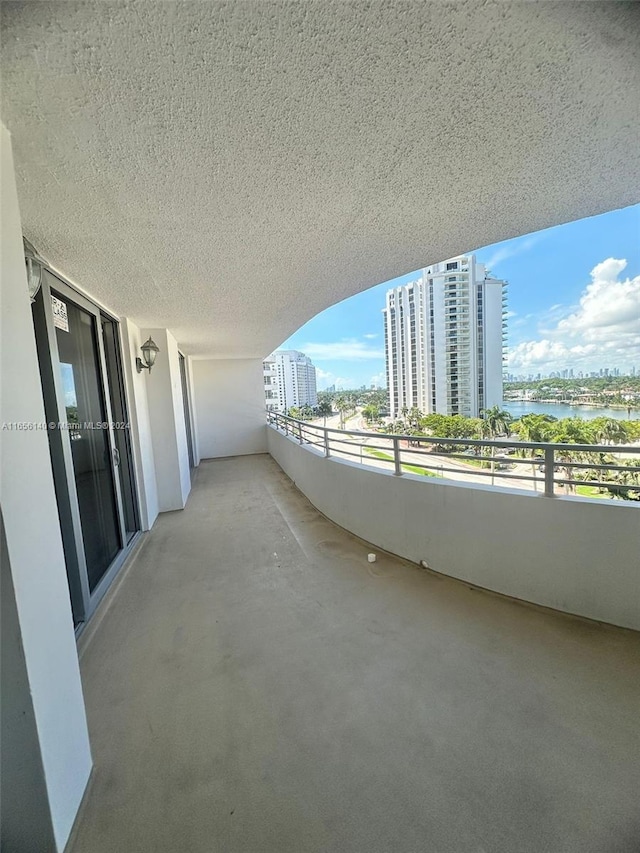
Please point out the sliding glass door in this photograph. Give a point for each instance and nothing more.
(121, 432)
(91, 456)
(87, 417)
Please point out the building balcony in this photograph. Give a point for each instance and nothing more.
(253, 673)
(251, 681)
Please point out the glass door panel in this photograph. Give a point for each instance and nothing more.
(185, 406)
(87, 425)
(121, 432)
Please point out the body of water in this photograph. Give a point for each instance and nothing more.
(562, 410)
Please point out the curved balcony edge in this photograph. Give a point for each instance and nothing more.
(578, 557)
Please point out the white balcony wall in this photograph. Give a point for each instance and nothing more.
(549, 551)
(229, 406)
(46, 759)
(166, 415)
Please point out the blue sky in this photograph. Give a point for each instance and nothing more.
(574, 302)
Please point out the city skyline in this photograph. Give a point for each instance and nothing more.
(574, 303)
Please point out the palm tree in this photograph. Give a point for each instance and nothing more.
(610, 431)
(498, 421)
(324, 409)
(342, 405)
(414, 418)
(535, 429)
(574, 431)
(371, 412)
(627, 486)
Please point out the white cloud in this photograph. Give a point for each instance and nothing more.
(347, 349)
(602, 330)
(552, 355)
(608, 307)
(370, 337)
(510, 250)
(345, 383)
(325, 378)
(380, 379)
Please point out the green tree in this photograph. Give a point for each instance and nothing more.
(414, 419)
(342, 405)
(534, 429)
(609, 431)
(371, 412)
(627, 485)
(573, 431)
(325, 409)
(306, 413)
(495, 422)
(498, 421)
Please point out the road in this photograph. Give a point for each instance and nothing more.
(355, 451)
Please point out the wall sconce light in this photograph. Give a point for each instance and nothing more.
(149, 351)
(34, 269)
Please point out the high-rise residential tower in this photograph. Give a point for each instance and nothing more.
(289, 380)
(444, 340)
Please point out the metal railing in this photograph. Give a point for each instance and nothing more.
(548, 469)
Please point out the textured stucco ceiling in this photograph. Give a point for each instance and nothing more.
(229, 169)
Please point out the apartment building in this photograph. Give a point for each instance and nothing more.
(444, 339)
(289, 380)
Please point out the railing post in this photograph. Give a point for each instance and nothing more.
(300, 432)
(549, 465)
(327, 449)
(396, 456)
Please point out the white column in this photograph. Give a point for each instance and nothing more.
(166, 420)
(141, 432)
(46, 723)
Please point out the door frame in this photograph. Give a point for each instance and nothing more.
(83, 601)
(186, 405)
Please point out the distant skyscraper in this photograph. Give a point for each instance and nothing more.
(289, 380)
(444, 340)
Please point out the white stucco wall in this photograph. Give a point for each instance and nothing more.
(229, 404)
(577, 555)
(34, 542)
(166, 413)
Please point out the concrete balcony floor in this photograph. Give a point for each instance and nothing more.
(254, 684)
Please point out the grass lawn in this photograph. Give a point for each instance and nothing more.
(590, 492)
(412, 469)
(476, 461)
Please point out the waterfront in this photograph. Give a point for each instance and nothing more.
(517, 408)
